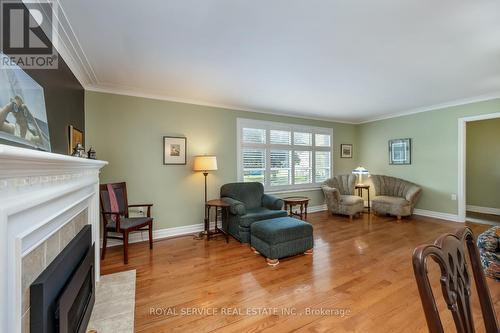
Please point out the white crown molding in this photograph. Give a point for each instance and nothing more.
(68, 46)
(70, 49)
(458, 102)
(117, 90)
(73, 53)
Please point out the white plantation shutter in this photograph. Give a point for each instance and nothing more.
(303, 167)
(281, 167)
(323, 166)
(254, 135)
(302, 139)
(254, 165)
(280, 137)
(283, 156)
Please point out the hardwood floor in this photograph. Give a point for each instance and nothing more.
(362, 268)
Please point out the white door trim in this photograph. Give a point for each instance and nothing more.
(462, 151)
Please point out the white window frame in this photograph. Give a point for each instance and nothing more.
(269, 125)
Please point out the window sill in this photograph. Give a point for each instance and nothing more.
(292, 190)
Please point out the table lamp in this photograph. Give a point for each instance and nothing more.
(360, 171)
(205, 163)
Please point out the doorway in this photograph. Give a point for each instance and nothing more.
(479, 169)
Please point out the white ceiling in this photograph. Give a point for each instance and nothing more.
(343, 60)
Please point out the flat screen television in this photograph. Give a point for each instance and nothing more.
(23, 117)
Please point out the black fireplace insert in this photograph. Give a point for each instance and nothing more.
(62, 297)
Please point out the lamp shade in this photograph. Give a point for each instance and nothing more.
(205, 163)
(360, 171)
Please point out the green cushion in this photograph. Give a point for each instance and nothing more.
(258, 214)
(280, 230)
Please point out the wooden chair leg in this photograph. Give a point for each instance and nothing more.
(151, 236)
(125, 247)
(104, 244)
(350, 218)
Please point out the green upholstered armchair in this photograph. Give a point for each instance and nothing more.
(248, 204)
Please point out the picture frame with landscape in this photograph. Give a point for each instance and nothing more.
(174, 150)
(346, 150)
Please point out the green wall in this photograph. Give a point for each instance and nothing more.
(483, 163)
(127, 131)
(434, 137)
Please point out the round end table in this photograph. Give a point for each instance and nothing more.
(303, 202)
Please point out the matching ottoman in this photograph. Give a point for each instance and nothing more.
(281, 237)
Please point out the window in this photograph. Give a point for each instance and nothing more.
(283, 156)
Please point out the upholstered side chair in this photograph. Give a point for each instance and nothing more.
(115, 216)
(340, 198)
(394, 196)
(248, 204)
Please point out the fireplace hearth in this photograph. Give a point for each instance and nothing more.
(63, 296)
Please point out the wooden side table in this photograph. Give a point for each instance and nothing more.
(224, 207)
(303, 202)
(360, 188)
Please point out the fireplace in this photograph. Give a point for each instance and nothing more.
(62, 297)
(45, 201)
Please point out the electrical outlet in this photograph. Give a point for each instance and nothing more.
(453, 197)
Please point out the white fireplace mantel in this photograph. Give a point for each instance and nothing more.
(39, 193)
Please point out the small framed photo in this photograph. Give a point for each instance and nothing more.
(400, 151)
(346, 150)
(174, 150)
(75, 137)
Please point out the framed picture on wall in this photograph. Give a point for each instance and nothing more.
(23, 116)
(174, 150)
(75, 137)
(346, 150)
(400, 151)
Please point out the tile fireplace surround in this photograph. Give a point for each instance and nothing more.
(44, 198)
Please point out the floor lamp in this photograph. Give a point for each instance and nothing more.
(205, 163)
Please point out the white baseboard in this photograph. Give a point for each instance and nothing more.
(481, 221)
(483, 210)
(159, 234)
(181, 231)
(315, 209)
(437, 215)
